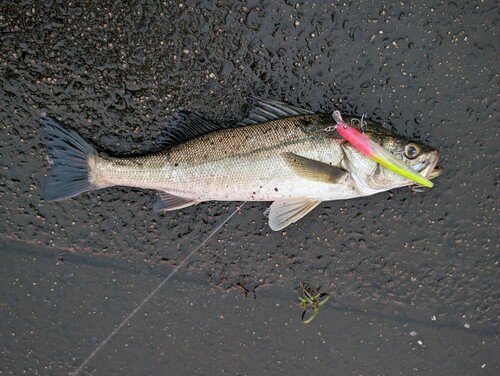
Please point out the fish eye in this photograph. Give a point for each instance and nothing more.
(412, 150)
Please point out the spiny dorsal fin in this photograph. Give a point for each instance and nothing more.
(268, 109)
(287, 211)
(314, 170)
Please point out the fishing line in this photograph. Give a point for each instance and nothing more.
(151, 294)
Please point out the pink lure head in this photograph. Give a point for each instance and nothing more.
(356, 138)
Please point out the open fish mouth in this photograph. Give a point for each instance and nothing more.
(429, 169)
(436, 171)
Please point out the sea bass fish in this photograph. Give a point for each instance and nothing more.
(279, 153)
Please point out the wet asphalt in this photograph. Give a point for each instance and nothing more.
(413, 277)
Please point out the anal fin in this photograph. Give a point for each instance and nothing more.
(287, 211)
(167, 202)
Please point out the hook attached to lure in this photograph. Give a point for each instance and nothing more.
(376, 152)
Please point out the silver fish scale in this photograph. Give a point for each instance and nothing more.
(234, 164)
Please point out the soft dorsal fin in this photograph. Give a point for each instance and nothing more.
(311, 169)
(287, 211)
(268, 109)
(184, 126)
(167, 202)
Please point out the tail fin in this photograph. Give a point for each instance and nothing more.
(68, 154)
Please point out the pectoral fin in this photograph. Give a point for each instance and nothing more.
(285, 212)
(314, 170)
(167, 201)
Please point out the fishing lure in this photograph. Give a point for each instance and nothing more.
(376, 152)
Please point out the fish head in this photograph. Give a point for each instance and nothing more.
(371, 177)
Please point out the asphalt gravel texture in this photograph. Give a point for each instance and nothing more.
(116, 72)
